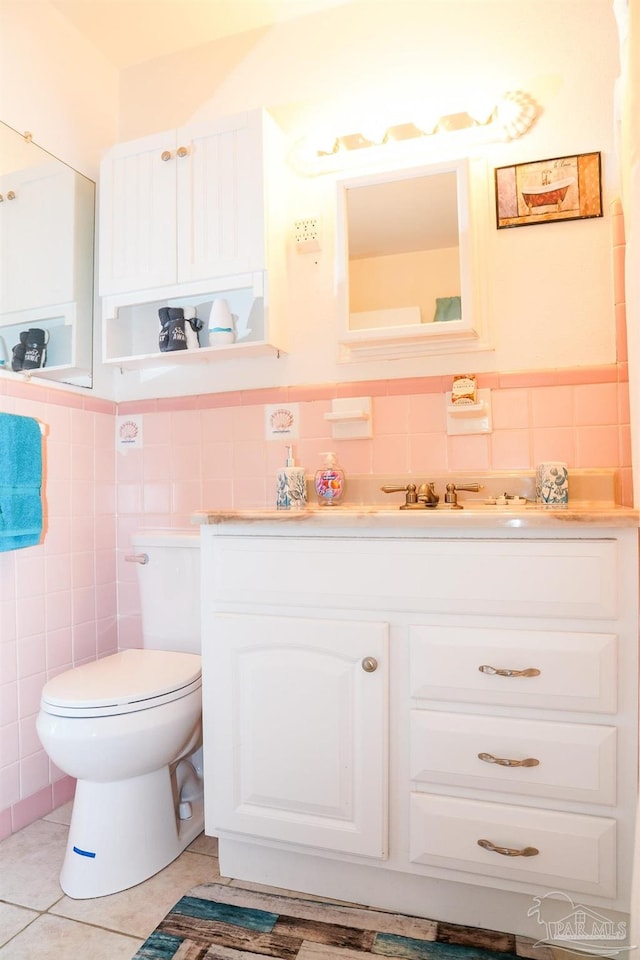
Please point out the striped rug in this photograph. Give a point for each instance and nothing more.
(215, 921)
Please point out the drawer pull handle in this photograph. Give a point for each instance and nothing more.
(505, 762)
(508, 851)
(501, 672)
(369, 664)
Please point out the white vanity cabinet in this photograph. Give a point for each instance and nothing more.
(184, 218)
(513, 712)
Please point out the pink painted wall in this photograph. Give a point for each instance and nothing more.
(60, 601)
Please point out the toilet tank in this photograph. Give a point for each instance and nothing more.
(169, 584)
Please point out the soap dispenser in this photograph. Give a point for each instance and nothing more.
(291, 489)
(329, 481)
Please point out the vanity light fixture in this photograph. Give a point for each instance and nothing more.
(483, 122)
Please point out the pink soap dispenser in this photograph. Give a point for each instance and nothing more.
(329, 481)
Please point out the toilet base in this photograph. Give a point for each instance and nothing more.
(124, 832)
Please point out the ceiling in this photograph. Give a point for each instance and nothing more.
(128, 32)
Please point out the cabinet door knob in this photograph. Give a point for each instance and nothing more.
(369, 664)
(11, 195)
(165, 155)
(503, 761)
(502, 672)
(183, 151)
(508, 851)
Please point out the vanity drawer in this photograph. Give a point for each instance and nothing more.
(538, 578)
(575, 761)
(559, 670)
(574, 852)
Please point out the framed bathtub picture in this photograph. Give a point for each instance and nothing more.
(565, 188)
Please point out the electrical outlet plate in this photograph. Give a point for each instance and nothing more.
(307, 235)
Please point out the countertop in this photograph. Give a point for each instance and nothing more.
(473, 516)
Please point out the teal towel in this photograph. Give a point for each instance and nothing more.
(448, 308)
(20, 482)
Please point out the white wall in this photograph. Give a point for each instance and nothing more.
(548, 288)
(55, 85)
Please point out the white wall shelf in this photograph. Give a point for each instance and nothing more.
(465, 418)
(350, 418)
(131, 324)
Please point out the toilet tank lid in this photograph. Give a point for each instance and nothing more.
(130, 676)
(175, 537)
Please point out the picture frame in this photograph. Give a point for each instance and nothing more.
(547, 191)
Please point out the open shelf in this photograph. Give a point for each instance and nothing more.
(59, 321)
(131, 331)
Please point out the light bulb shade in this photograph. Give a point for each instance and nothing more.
(427, 123)
(375, 133)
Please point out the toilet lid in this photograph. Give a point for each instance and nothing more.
(123, 683)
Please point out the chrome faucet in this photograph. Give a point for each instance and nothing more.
(417, 498)
(451, 495)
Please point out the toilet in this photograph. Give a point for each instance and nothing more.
(129, 729)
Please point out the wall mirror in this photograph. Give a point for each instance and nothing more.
(47, 220)
(405, 262)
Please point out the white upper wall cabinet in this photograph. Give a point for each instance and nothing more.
(183, 206)
(187, 217)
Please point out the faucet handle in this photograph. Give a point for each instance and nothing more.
(471, 487)
(409, 488)
(451, 496)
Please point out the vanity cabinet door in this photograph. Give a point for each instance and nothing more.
(295, 730)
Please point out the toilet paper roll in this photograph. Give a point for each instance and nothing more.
(552, 483)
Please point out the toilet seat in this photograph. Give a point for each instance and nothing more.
(121, 683)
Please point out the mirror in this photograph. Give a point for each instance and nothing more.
(404, 260)
(47, 218)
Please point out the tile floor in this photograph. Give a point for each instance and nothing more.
(38, 922)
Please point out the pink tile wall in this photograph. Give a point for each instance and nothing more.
(218, 457)
(58, 600)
